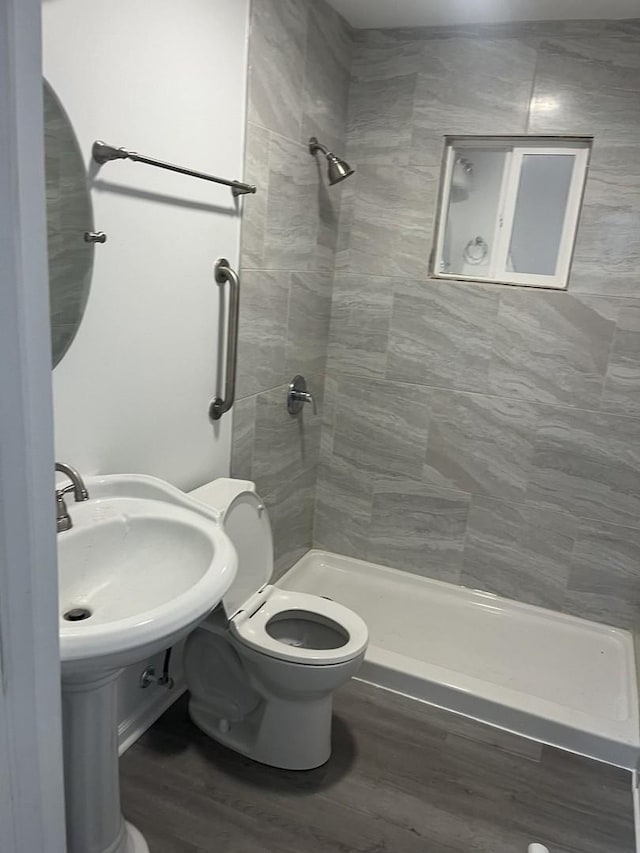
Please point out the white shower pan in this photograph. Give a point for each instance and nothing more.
(541, 674)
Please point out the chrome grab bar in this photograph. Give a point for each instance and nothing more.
(224, 273)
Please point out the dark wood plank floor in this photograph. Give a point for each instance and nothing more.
(403, 778)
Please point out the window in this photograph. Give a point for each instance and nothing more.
(509, 209)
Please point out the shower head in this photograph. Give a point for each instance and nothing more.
(337, 169)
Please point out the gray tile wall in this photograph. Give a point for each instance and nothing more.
(299, 57)
(485, 435)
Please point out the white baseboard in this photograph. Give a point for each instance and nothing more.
(131, 728)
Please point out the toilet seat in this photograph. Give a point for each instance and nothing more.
(250, 626)
(320, 632)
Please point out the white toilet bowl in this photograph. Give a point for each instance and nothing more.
(262, 668)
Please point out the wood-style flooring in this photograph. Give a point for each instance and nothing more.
(403, 778)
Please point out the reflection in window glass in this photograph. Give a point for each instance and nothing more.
(473, 208)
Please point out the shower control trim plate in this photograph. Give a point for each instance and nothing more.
(297, 396)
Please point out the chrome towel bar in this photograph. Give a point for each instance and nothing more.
(103, 153)
(224, 273)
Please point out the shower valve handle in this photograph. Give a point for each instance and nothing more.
(305, 397)
(297, 396)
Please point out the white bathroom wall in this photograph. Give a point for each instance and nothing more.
(167, 80)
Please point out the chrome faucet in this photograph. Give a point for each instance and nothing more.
(80, 493)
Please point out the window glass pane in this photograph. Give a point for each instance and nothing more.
(473, 208)
(539, 216)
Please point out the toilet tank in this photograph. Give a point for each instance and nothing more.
(218, 494)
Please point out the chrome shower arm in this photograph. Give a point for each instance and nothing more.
(315, 146)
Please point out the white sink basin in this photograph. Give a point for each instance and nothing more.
(141, 566)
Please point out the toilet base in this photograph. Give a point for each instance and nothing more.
(284, 734)
(135, 842)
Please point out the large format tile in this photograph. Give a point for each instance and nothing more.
(277, 47)
(384, 72)
(518, 551)
(327, 417)
(587, 86)
(344, 495)
(254, 207)
(327, 75)
(588, 464)
(308, 323)
(382, 426)
(607, 251)
(391, 221)
(470, 86)
(243, 437)
(622, 383)
(290, 505)
(284, 446)
(614, 174)
(291, 228)
(604, 582)
(285, 457)
(262, 331)
(380, 119)
(591, 86)
(345, 223)
(441, 333)
(551, 347)
(328, 204)
(360, 317)
(385, 54)
(482, 445)
(418, 527)
(609, 48)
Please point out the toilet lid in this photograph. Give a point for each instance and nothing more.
(246, 523)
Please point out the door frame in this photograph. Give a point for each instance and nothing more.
(31, 775)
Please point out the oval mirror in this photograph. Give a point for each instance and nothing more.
(69, 216)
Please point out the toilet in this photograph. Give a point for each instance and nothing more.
(262, 668)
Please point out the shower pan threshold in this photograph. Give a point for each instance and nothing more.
(554, 678)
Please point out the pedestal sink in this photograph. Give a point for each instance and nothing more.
(141, 566)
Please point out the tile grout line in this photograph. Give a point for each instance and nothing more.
(523, 400)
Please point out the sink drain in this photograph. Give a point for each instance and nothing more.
(77, 614)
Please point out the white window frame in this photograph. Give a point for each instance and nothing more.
(516, 148)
